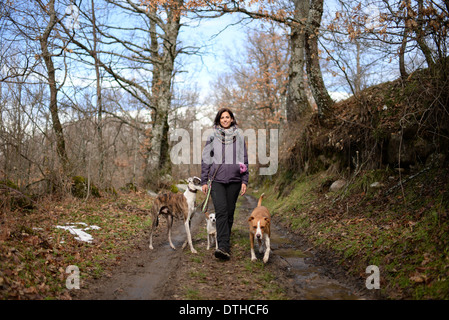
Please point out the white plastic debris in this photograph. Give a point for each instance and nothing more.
(80, 233)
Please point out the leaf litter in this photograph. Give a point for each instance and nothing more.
(37, 246)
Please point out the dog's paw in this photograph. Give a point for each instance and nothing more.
(194, 251)
(265, 258)
(151, 247)
(253, 255)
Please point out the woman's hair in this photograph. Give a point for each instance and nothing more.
(220, 112)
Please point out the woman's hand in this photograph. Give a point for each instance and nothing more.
(204, 188)
(243, 189)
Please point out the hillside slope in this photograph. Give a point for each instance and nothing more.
(394, 124)
(405, 234)
(388, 146)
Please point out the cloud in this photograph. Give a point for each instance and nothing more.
(339, 96)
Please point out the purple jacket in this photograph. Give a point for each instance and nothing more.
(232, 156)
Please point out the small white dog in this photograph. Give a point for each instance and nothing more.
(211, 228)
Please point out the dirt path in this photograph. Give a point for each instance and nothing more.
(293, 271)
(142, 273)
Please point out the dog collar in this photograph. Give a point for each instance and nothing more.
(194, 191)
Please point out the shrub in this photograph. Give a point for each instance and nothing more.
(80, 188)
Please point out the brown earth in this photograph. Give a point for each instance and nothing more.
(295, 270)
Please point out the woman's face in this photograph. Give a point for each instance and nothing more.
(225, 120)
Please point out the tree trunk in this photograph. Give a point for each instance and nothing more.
(159, 160)
(297, 103)
(420, 37)
(402, 69)
(47, 57)
(358, 75)
(100, 143)
(319, 92)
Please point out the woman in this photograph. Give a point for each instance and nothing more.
(225, 162)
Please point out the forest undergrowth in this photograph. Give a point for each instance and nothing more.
(37, 247)
(404, 233)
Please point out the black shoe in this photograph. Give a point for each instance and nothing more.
(222, 254)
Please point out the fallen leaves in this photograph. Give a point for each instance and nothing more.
(205, 277)
(407, 239)
(418, 278)
(35, 254)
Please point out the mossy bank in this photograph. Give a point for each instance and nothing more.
(378, 218)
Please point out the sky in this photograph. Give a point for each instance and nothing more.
(218, 37)
(220, 41)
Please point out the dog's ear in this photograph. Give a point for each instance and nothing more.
(196, 180)
(250, 219)
(207, 214)
(267, 219)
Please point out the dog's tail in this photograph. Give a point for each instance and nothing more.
(260, 200)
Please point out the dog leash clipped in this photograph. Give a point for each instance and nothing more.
(209, 187)
(206, 201)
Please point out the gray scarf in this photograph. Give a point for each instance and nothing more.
(226, 136)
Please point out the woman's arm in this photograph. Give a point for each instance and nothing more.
(242, 190)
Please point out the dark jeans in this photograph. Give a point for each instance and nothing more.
(224, 196)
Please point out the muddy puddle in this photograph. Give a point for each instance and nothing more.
(310, 281)
(163, 273)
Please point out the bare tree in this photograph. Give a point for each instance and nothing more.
(37, 22)
(48, 59)
(149, 52)
(99, 95)
(256, 83)
(319, 91)
(297, 102)
(303, 17)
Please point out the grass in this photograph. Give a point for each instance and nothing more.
(407, 238)
(34, 254)
(239, 278)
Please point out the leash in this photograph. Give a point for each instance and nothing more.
(209, 187)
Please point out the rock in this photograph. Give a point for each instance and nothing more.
(407, 155)
(377, 185)
(152, 193)
(413, 149)
(422, 149)
(337, 185)
(435, 159)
